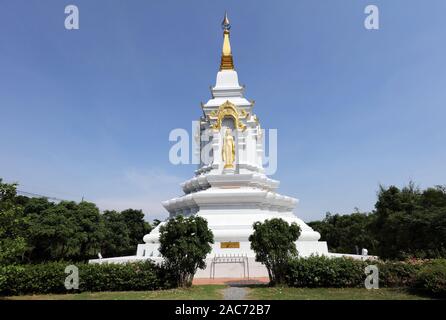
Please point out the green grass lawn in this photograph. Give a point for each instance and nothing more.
(215, 292)
(265, 293)
(212, 292)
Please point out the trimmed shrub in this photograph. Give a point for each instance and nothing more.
(432, 278)
(397, 273)
(50, 277)
(118, 277)
(39, 278)
(346, 272)
(326, 272)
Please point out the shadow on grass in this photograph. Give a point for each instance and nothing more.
(425, 294)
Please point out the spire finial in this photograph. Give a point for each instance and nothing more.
(226, 58)
(225, 24)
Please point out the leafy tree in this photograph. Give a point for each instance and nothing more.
(89, 230)
(66, 230)
(53, 233)
(35, 206)
(37, 248)
(123, 232)
(21, 200)
(12, 243)
(434, 197)
(273, 241)
(346, 233)
(407, 222)
(410, 222)
(137, 227)
(37, 230)
(184, 244)
(116, 240)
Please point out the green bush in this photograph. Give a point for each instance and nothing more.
(397, 273)
(50, 278)
(273, 241)
(118, 277)
(346, 272)
(432, 278)
(326, 272)
(184, 243)
(40, 278)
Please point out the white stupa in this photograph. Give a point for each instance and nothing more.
(231, 190)
(233, 195)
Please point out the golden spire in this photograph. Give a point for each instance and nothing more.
(226, 57)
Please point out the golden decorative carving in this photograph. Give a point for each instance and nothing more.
(213, 114)
(243, 114)
(226, 62)
(227, 109)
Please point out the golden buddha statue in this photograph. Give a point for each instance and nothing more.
(228, 150)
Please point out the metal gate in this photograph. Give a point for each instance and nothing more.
(230, 258)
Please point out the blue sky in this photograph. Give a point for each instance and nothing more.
(87, 113)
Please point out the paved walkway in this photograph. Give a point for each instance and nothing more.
(231, 281)
(237, 287)
(234, 293)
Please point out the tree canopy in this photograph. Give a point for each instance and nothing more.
(36, 230)
(346, 233)
(184, 244)
(273, 241)
(12, 222)
(406, 222)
